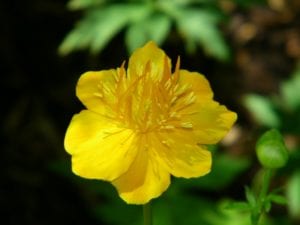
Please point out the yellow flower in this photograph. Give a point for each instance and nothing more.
(144, 124)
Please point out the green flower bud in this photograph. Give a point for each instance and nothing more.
(271, 150)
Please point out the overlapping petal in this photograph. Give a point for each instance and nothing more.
(210, 121)
(146, 179)
(148, 56)
(94, 90)
(198, 83)
(100, 149)
(180, 154)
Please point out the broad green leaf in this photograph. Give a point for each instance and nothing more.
(293, 194)
(290, 91)
(135, 36)
(201, 26)
(100, 25)
(156, 27)
(262, 110)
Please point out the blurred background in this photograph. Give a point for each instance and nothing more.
(249, 50)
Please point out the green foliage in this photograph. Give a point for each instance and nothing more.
(280, 111)
(258, 203)
(262, 109)
(293, 194)
(155, 27)
(197, 22)
(199, 26)
(290, 92)
(100, 25)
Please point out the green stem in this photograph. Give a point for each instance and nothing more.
(262, 197)
(265, 186)
(147, 214)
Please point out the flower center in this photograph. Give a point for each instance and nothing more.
(149, 101)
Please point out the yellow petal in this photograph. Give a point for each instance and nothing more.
(95, 90)
(148, 55)
(210, 121)
(180, 154)
(199, 84)
(99, 148)
(146, 179)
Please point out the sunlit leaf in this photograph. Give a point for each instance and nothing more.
(100, 25)
(156, 27)
(262, 110)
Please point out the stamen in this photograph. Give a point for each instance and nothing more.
(187, 125)
(97, 94)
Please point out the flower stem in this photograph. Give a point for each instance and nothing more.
(266, 184)
(260, 209)
(147, 214)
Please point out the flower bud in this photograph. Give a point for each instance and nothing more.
(271, 150)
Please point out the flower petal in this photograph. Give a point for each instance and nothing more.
(199, 84)
(210, 121)
(91, 89)
(180, 154)
(99, 148)
(148, 55)
(146, 179)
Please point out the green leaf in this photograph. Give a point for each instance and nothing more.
(201, 26)
(293, 194)
(267, 206)
(156, 27)
(290, 91)
(100, 25)
(279, 199)
(262, 110)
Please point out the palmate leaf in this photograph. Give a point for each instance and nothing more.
(100, 25)
(200, 26)
(155, 27)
